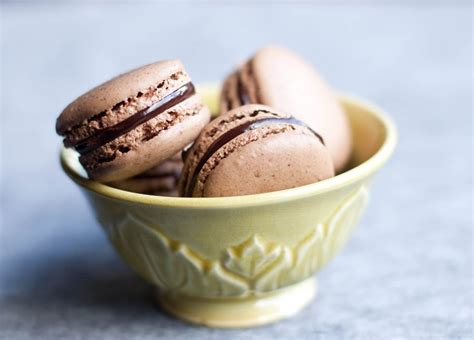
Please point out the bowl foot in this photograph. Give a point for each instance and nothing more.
(240, 312)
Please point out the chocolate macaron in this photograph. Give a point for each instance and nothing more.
(279, 78)
(161, 180)
(134, 121)
(254, 149)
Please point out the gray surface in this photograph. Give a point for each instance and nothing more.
(406, 274)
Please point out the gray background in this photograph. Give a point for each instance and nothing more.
(406, 274)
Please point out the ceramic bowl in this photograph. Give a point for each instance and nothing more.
(247, 260)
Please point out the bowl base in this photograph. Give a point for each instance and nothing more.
(240, 312)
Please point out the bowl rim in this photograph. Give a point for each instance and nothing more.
(359, 172)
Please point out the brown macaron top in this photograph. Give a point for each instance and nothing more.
(281, 79)
(253, 149)
(133, 122)
(113, 92)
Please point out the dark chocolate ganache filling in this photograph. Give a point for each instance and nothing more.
(235, 132)
(108, 134)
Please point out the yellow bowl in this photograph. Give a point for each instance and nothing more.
(247, 260)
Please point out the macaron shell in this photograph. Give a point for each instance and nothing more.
(277, 162)
(151, 152)
(289, 84)
(239, 89)
(173, 165)
(165, 186)
(160, 180)
(125, 109)
(216, 128)
(228, 98)
(120, 88)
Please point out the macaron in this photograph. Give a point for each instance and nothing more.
(133, 122)
(161, 180)
(281, 79)
(253, 149)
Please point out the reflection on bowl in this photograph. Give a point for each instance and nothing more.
(247, 260)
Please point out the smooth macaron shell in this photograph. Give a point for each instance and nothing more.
(283, 80)
(269, 158)
(147, 144)
(215, 129)
(281, 161)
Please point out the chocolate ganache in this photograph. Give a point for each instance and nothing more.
(235, 132)
(106, 135)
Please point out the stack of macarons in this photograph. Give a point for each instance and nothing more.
(148, 130)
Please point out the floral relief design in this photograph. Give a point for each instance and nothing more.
(307, 254)
(255, 265)
(169, 264)
(257, 262)
(341, 224)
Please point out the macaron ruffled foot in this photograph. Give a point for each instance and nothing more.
(161, 180)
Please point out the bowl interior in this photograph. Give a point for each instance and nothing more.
(374, 139)
(369, 132)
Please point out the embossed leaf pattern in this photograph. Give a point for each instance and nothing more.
(257, 261)
(307, 259)
(255, 265)
(168, 264)
(341, 224)
(251, 257)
